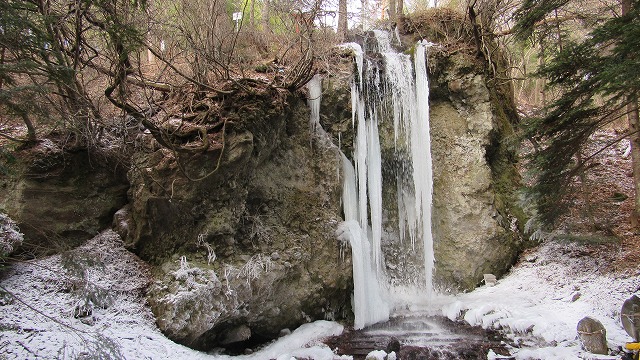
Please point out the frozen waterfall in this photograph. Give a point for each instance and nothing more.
(389, 94)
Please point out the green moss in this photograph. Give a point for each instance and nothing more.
(502, 154)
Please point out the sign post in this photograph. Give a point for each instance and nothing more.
(237, 16)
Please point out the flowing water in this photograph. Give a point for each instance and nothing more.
(414, 336)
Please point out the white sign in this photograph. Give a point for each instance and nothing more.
(237, 16)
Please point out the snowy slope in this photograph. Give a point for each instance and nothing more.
(39, 322)
(541, 301)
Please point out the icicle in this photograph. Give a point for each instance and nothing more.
(384, 43)
(402, 88)
(374, 181)
(360, 154)
(349, 191)
(315, 96)
(369, 304)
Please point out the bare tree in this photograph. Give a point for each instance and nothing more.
(634, 137)
(342, 19)
(392, 11)
(399, 14)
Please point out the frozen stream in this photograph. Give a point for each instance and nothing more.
(420, 336)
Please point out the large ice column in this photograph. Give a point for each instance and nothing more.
(422, 162)
(410, 99)
(349, 190)
(374, 182)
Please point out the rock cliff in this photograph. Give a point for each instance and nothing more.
(60, 196)
(477, 218)
(249, 248)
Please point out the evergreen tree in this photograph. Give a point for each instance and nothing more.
(602, 66)
(26, 69)
(46, 46)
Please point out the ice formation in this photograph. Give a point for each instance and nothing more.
(400, 94)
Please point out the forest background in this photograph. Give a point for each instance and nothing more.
(92, 73)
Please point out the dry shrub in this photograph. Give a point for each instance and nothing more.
(446, 27)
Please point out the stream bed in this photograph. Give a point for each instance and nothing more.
(421, 337)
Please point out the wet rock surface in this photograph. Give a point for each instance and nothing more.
(420, 337)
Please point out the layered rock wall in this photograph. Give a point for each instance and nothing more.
(60, 196)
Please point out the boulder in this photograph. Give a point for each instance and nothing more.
(244, 234)
(593, 336)
(630, 317)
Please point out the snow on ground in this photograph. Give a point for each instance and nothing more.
(39, 323)
(538, 305)
(542, 299)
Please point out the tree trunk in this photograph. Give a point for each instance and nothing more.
(626, 6)
(31, 129)
(364, 14)
(1, 64)
(342, 20)
(252, 15)
(266, 13)
(587, 211)
(392, 11)
(634, 138)
(400, 15)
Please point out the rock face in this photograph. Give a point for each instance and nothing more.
(61, 197)
(477, 220)
(250, 248)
